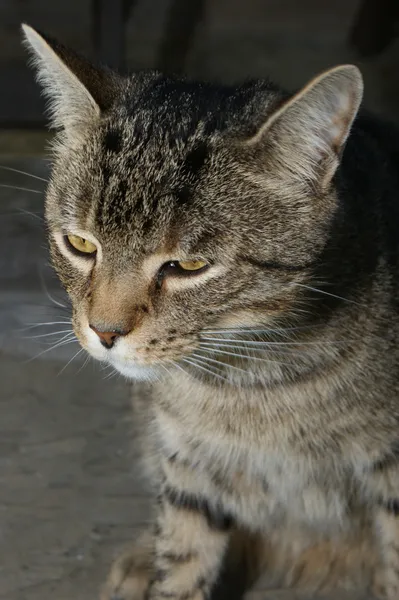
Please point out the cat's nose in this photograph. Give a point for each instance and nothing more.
(108, 338)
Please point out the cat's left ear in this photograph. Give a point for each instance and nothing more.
(78, 92)
(305, 138)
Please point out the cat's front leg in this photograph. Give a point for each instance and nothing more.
(190, 544)
(386, 584)
(131, 573)
(180, 558)
(382, 485)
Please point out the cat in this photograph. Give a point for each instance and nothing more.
(237, 247)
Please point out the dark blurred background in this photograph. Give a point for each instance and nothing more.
(289, 40)
(71, 493)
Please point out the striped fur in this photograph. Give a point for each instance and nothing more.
(272, 429)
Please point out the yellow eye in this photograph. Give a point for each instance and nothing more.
(81, 245)
(191, 265)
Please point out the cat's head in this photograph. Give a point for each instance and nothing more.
(179, 208)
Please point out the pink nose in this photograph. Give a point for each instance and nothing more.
(107, 338)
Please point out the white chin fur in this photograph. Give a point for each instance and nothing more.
(135, 372)
(115, 357)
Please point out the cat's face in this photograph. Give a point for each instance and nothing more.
(176, 210)
(176, 238)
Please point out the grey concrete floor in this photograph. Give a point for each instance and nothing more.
(71, 491)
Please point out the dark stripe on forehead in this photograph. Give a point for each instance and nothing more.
(147, 224)
(183, 195)
(118, 208)
(113, 140)
(102, 206)
(195, 159)
(120, 196)
(106, 173)
(191, 168)
(114, 208)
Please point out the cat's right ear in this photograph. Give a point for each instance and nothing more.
(77, 91)
(305, 138)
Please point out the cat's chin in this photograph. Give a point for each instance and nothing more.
(136, 372)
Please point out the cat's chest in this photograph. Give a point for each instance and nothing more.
(261, 484)
(269, 488)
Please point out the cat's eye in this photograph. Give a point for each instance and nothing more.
(80, 245)
(191, 265)
(181, 268)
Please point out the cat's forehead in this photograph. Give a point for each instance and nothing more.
(144, 164)
(144, 174)
(142, 188)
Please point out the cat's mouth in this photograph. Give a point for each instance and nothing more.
(123, 357)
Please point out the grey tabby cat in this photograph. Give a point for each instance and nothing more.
(238, 247)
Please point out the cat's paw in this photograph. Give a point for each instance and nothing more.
(130, 574)
(386, 585)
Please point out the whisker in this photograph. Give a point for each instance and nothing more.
(109, 375)
(280, 331)
(113, 373)
(49, 296)
(22, 212)
(34, 325)
(48, 309)
(176, 364)
(237, 346)
(217, 362)
(21, 189)
(70, 360)
(47, 343)
(265, 343)
(31, 214)
(242, 341)
(23, 173)
(166, 369)
(70, 336)
(256, 358)
(84, 364)
(42, 335)
(57, 345)
(54, 301)
(203, 361)
(198, 366)
(314, 289)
